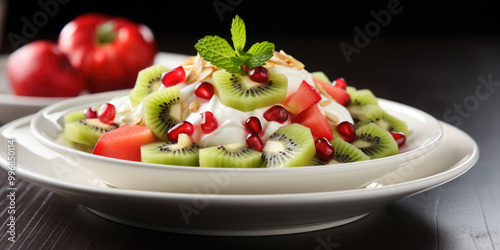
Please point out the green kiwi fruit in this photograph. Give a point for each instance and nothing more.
(236, 155)
(289, 146)
(359, 99)
(375, 141)
(377, 115)
(321, 76)
(148, 81)
(240, 92)
(185, 152)
(74, 116)
(162, 110)
(344, 152)
(86, 131)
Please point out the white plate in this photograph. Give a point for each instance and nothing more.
(13, 107)
(212, 214)
(47, 124)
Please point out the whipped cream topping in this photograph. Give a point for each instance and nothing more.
(231, 121)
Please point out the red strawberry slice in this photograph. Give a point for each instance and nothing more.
(338, 94)
(305, 96)
(316, 121)
(124, 142)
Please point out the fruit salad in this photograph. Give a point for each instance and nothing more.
(231, 108)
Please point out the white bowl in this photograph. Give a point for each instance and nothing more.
(47, 124)
(13, 106)
(219, 214)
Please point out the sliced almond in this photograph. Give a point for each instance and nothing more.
(194, 106)
(324, 103)
(332, 118)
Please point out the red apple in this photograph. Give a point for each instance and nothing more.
(41, 69)
(108, 50)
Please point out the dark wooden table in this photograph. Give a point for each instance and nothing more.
(438, 74)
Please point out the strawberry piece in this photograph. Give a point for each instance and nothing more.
(124, 142)
(316, 121)
(305, 97)
(335, 93)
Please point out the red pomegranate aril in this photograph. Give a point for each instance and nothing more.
(252, 124)
(346, 131)
(340, 83)
(183, 127)
(208, 122)
(324, 149)
(204, 90)
(90, 113)
(107, 113)
(276, 113)
(259, 74)
(173, 77)
(399, 137)
(254, 141)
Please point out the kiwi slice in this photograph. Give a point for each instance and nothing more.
(289, 146)
(86, 131)
(344, 152)
(185, 152)
(359, 99)
(375, 141)
(236, 155)
(377, 115)
(74, 116)
(148, 81)
(240, 92)
(162, 110)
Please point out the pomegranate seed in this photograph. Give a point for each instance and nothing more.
(107, 113)
(173, 77)
(90, 113)
(208, 122)
(204, 90)
(399, 137)
(259, 74)
(252, 124)
(340, 83)
(183, 127)
(254, 141)
(346, 131)
(324, 149)
(276, 113)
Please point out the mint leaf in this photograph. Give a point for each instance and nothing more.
(260, 53)
(219, 52)
(263, 47)
(216, 50)
(238, 33)
(258, 60)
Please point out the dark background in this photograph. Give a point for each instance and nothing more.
(429, 56)
(425, 36)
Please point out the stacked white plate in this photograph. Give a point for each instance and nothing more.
(234, 201)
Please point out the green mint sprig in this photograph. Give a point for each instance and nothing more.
(219, 52)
